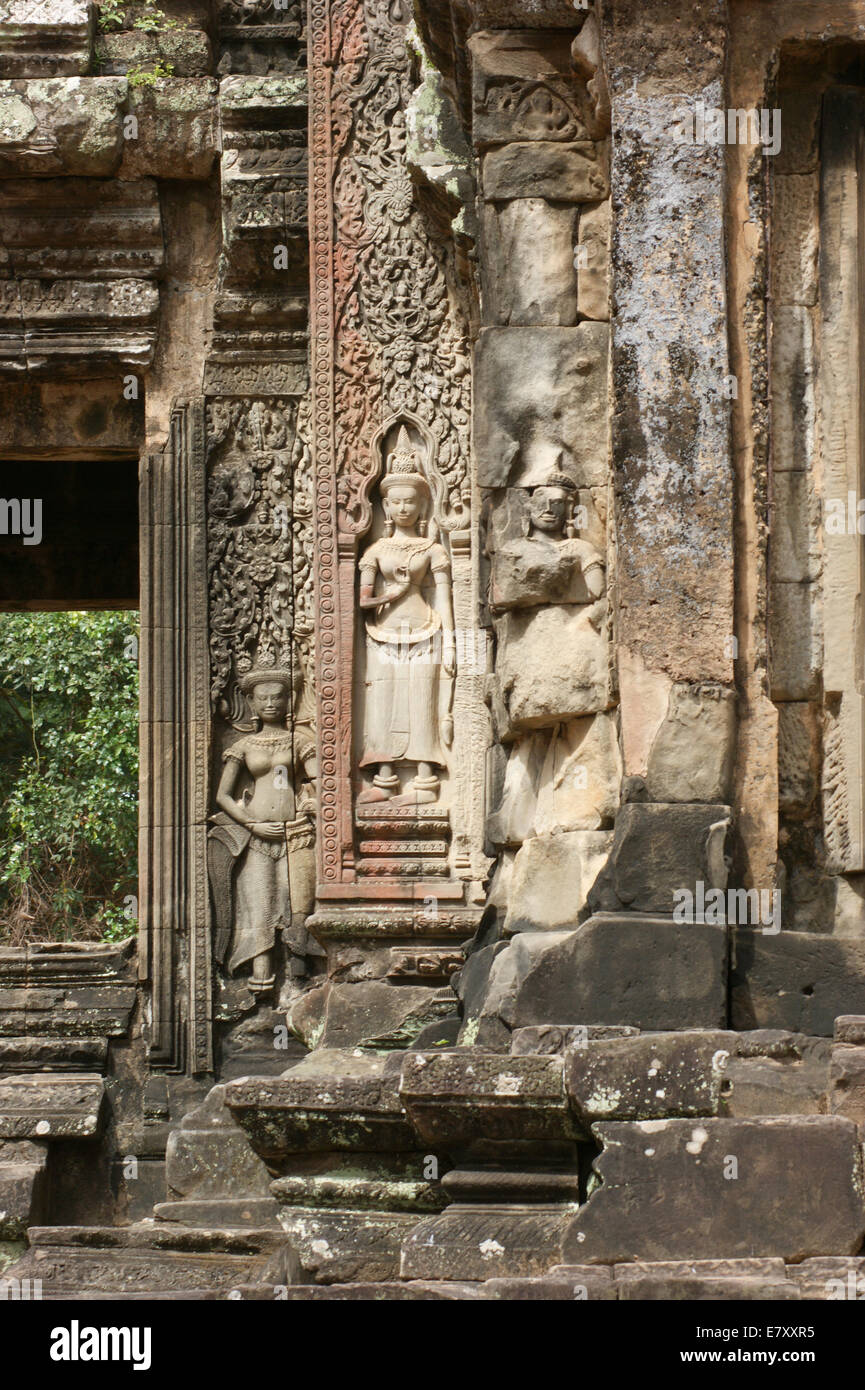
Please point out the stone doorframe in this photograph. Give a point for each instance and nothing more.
(174, 913)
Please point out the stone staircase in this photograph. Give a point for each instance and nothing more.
(585, 1163)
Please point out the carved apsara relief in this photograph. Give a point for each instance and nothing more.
(261, 841)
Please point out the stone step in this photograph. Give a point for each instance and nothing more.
(51, 1105)
(151, 1258)
(22, 1186)
(225, 1213)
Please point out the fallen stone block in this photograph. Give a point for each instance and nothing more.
(795, 980)
(368, 1013)
(653, 1076)
(722, 1188)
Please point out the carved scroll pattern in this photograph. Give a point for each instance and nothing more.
(259, 538)
(401, 345)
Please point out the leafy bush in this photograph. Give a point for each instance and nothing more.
(68, 775)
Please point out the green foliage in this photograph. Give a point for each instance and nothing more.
(68, 775)
(111, 14)
(146, 16)
(148, 77)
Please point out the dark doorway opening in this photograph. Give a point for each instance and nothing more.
(86, 555)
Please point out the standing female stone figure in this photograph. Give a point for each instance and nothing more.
(405, 584)
(262, 847)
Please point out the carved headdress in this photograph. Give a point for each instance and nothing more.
(403, 466)
(268, 667)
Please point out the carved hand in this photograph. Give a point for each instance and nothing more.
(447, 730)
(268, 829)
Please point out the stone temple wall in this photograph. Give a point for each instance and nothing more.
(494, 373)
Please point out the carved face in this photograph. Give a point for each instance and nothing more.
(549, 509)
(270, 701)
(403, 504)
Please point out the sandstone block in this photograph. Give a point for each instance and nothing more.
(23, 1187)
(368, 1013)
(795, 980)
(485, 1243)
(798, 756)
(593, 261)
(795, 247)
(547, 1038)
(847, 1084)
(49, 1105)
(850, 1028)
(793, 403)
(178, 136)
(330, 1101)
(614, 969)
(551, 879)
(667, 1193)
(40, 38)
(795, 641)
(653, 1076)
(76, 1261)
(698, 716)
(756, 1086)
(553, 665)
(456, 1097)
(659, 851)
(566, 173)
(528, 272)
(541, 397)
(61, 125)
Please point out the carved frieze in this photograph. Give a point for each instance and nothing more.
(259, 540)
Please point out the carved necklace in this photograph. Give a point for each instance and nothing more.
(270, 740)
(408, 542)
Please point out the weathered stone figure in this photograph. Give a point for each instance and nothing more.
(550, 564)
(266, 836)
(409, 638)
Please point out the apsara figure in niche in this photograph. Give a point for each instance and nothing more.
(405, 587)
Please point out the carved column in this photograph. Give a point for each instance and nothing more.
(390, 351)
